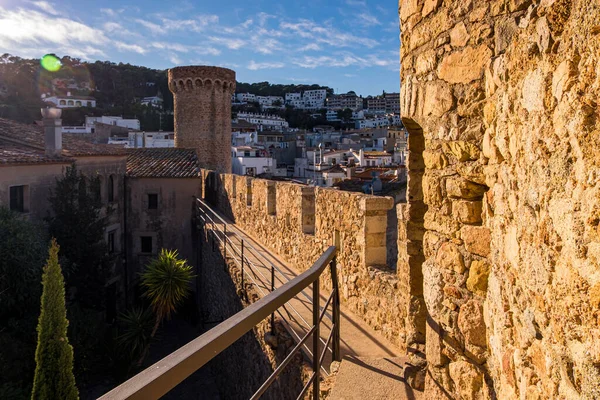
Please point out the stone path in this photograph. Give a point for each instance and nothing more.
(383, 377)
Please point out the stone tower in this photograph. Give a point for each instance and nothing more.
(202, 103)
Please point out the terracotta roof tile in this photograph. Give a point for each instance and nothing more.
(24, 144)
(162, 163)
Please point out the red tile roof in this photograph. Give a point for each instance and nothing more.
(162, 163)
(24, 144)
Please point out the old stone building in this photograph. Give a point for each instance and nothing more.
(503, 243)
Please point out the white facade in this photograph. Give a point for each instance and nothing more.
(69, 101)
(372, 158)
(265, 121)
(137, 140)
(246, 160)
(378, 122)
(133, 124)
(153, 101)
(245, 97)
(314, 99)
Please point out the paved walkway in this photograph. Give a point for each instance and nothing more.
(357, 338)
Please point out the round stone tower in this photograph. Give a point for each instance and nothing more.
(202, 103)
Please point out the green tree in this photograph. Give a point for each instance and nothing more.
(54, 377)
(23, 251)
(77, 224)
(166, 281)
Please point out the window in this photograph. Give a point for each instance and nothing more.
(78, 103)
(152, 201)
(19, 196)
(111, 189)
(246, 154)
(146, 242)
(111, 242)
(89, 103)
(63, 103)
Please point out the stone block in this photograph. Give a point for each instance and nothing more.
(463, 151)
(464, 66)
(477, 282)
(434, 344)
(533, 91)
(563, 78)
(449, 257)
(468, 380)
(430, 6)
(414, 161)
(459, 35)
(464, 189)
(375, 224)
(371, 203)
(376, 255)
(438, 99)
(435, 159)
(504, 33)
(425, 62)
(414, 186)
(408, 8)
(471, 323)
(375, 240)
(477, 239)
(472, 172)
(467, 212)
(432, 190)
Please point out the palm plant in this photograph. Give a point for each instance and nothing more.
(167, 283)
(134, 333)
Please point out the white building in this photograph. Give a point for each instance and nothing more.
(378, 122)
(294, 100)
(90, 124)
(247, 160)
(245, 97)
(333, 175)
(69, 101)
(314, 99)
(137, 140)
(152, 101)
(372, 158)
(332, 116)
(264, 121)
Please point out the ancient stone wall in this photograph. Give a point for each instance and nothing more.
(202, 107)
(501, 102)
(300, 222)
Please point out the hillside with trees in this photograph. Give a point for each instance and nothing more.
(117, 88)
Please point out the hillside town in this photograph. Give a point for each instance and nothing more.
(366, 152)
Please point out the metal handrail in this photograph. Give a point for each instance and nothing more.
(206, 209)
(157, 380)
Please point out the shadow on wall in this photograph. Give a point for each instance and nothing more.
(244, 366)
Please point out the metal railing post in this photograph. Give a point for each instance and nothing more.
(335, 347)
(316, 337)
(242, 264)
(272, 289)
(225, 246)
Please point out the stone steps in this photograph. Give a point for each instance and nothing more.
(366, 378)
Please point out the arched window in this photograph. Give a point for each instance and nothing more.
(62, 103)
(78, 103)
(111, 189)
(70, 102)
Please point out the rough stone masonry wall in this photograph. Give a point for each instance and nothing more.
(304, 221)
(501, 100)
(202, 107)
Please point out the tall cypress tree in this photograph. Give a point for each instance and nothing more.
(54, 377)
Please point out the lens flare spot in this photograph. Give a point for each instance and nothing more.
(51, 63)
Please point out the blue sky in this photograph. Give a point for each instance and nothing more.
(344, 44)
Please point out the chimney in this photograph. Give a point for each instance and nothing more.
(52, 131)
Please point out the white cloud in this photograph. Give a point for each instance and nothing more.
(345, 59)
(21, 30)
(253, 66)
(125, 47)
(366, 19)
(173, 47)
(230, 43)
(47, 7)
(356, 3)
(173, 58)
(310, 47)
(326, 34)
(154, 28)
